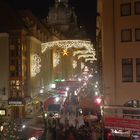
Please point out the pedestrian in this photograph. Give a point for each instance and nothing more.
(71, 136)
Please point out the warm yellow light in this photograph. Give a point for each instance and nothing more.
(74, 64)
(65, 52)
(35, 65)
(66, 44)
(56, 59)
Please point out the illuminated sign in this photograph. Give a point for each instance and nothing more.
(15, 102)
(2, 112)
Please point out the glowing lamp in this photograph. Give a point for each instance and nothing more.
(98, 100)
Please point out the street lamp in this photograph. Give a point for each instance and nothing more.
(1, 131)
(57, 99)
(45, 115)
(23, 126)
(100, 102)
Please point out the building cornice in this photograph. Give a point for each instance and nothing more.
(34, 39)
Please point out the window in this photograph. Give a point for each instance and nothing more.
(127, 70)
(126, 35)
(137, 34)
(137, 8)
(138, 69)
(125, 9)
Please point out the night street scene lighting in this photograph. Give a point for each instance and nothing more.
(70, 70)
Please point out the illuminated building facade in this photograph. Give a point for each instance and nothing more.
(118, 36)
(62, 20)
(21, 59)
(28, 68)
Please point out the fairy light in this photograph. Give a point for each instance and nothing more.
(90, 59)
(77, 52)
(87, 56)
(82, 65)
(66, 44)
(35, 65)
(56, 59)
(74, 64)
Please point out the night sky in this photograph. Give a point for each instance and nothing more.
(85, 11)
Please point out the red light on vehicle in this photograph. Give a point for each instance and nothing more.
(98, 100)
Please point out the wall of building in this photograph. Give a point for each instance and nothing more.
(108, 54)
(114, 50)
(34, 82)
(4, 67)
(126, 91)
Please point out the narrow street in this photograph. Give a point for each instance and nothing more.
(77, 116)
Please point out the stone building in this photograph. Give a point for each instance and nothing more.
(23, 76)
(118, 36)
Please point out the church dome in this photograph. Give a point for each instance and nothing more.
(60, 14)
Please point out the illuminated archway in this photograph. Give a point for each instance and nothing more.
(70, 51)
(67, 44)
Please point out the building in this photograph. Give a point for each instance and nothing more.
(118, 39)
(27, 70)
(62, 20)
(23, 74)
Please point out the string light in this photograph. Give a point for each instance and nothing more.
(89, 59)
(56, 59)
(82, 65)
(74, 64)
(35, 65)
(77, 52)
(66, 44)
(87, 56)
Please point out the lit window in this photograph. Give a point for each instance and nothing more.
(137, 8)
(138, 69)
(126, 35)
(137, 34)
(125, 9)
(2, 112)
(127, 70)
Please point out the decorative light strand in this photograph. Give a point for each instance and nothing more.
(67, 44)
(74, 64)
(56, 59)
(86, 56)
(35, 65)
(89, 59)
(82, 65)
(83, 52)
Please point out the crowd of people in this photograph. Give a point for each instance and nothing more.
(59, 131)
(71, 125)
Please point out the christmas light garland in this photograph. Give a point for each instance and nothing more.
(56, 59)
(66, 44)
(87, 56)
(35, 65)
(83, 52)
(74, 64)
